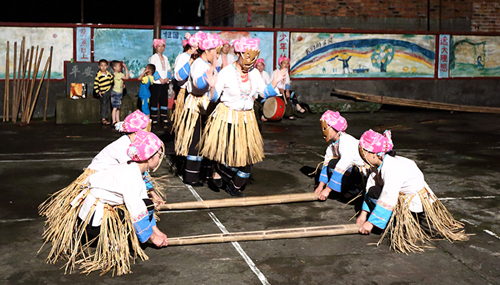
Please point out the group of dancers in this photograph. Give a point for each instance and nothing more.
(110, 206)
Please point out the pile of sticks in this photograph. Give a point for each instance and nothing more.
(23, 96)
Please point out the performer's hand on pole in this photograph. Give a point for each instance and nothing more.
(319, 188)
(366, 228)
(158, 238)
(323, 195)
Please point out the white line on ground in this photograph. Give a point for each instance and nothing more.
(468, 198)
(176, 211)
(491, 233)
(236, 245)
(16, 220)
(46, 160)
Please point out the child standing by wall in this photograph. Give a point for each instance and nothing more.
(147, 78)
(117, 91)
(102, 86)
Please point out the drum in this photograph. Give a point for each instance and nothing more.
(274, 108)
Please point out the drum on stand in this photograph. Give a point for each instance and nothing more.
(274, 108)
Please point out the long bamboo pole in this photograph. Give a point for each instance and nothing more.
(29, 74)
(24, 82)
(14, 79)
(6, 93)
(33, 82)
(18, 83)
(242, 202)
(333, 230)
(48, 84)
(30, 114)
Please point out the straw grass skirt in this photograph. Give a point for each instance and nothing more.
(60, 202)
(117, 243)
(232, 138)
(179, 106)
(186, 122)
(406, 234)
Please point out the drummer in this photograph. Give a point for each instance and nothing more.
(231, 137)
(259, 102)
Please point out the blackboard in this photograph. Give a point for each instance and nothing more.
(81, 72)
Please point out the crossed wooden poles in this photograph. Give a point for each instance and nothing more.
(256, 235)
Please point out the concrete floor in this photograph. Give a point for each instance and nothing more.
(458, 153)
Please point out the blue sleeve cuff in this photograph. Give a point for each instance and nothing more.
(335, 181)
(380, 216)
(323, 177)
(183, 73)
(169, 75)
(156, 75)
(202, 83)
(269, 91)
(287, 87)
(217, 68)
(144, 227)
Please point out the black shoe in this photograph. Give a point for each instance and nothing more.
(193, 184)
(218, 182)
(235, 193)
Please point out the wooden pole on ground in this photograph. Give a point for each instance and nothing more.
(30, 114)
(48, 84)
(6, 93)
(242, 202)
(333, 230)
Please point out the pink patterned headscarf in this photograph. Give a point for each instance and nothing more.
(134, 122)
(225, 42)
(211, 41)
(334, 120)
(246, 43)
(260, 60)
(374, 142)
(195, 39)
(283, 58)
(157, 42)
(184, 43)
(144, 146)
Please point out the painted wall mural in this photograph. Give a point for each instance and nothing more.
(61, 39)
(134, 46)
(474, 56)
(361, 55)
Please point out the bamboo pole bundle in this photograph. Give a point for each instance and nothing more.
(48, 84)
(29, 74)
(417, 103)
(38, 61)
(242, 202)
(267, 235)
(14, 77)
(30, 113)
(15, 105)
(6, 93)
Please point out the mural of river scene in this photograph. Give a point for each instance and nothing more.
(474, 56)
(133, 46)
(361, 55)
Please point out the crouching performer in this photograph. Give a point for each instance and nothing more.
(114, 215)
(399, 201)
(343, 169)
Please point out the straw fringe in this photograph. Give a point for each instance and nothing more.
(112, 251)
(186, 123)
(404, 230)
(237, 146)
(60, 202)
(179, 106)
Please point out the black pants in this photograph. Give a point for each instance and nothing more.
(105, 102)
(158, 101)
(194, 160)
(352, 184)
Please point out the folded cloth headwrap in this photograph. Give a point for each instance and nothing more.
(195, 39)
(260, 60)
(374, 142)
(211, 41)
(283, 58)
(134, 122)
(144, 146)
(157, 42)
(334, 120)
(246, 43)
